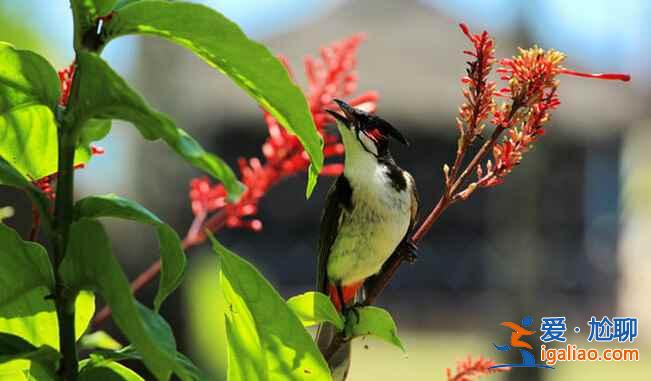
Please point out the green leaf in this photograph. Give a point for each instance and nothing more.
(266, 340)
(111, 205)
(9, 176)
(29, 92)
(94, 8)
(223, 45)
(24, 265)
(36, 372)
(122, 3)
(173, 261)
(145, 329)
(36, 364)
(107, 371)
(314, 308)
(126, 353)
(373, 321)
(312, 177)
(26, 75)
(33, 317)
(105, 95)
(11, 345)
(130, 353)
(26, 285)
(93, 130)
(84, 312)
(99, 340)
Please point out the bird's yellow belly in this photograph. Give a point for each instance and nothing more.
(367, 238)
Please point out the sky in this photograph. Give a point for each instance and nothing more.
(609, 35)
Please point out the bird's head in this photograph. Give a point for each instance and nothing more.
(361, 130)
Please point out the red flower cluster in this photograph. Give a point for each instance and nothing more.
(470, 369)
(330, 76)
(531, 95)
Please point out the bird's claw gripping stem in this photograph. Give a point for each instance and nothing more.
(347, 310)
(411, 250)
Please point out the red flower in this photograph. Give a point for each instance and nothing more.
(470, 369)
(330, 76)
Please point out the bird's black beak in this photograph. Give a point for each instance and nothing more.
(338, 117)
(352, 114)
(349, 112)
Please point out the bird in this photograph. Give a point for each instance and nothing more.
(370, 210)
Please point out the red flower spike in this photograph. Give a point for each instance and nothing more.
(331, 75)
(478, 91)
(469, 369)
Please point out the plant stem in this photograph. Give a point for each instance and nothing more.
(65, 301)
(63, 218)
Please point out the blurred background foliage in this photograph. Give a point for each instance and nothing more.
(568, 234)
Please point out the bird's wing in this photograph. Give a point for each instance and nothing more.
(338, 199)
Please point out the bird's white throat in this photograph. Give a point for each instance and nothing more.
(358, 163)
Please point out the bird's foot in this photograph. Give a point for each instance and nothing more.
(411, 250)
(352, 310)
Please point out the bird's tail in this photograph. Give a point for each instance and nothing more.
(335, 351)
